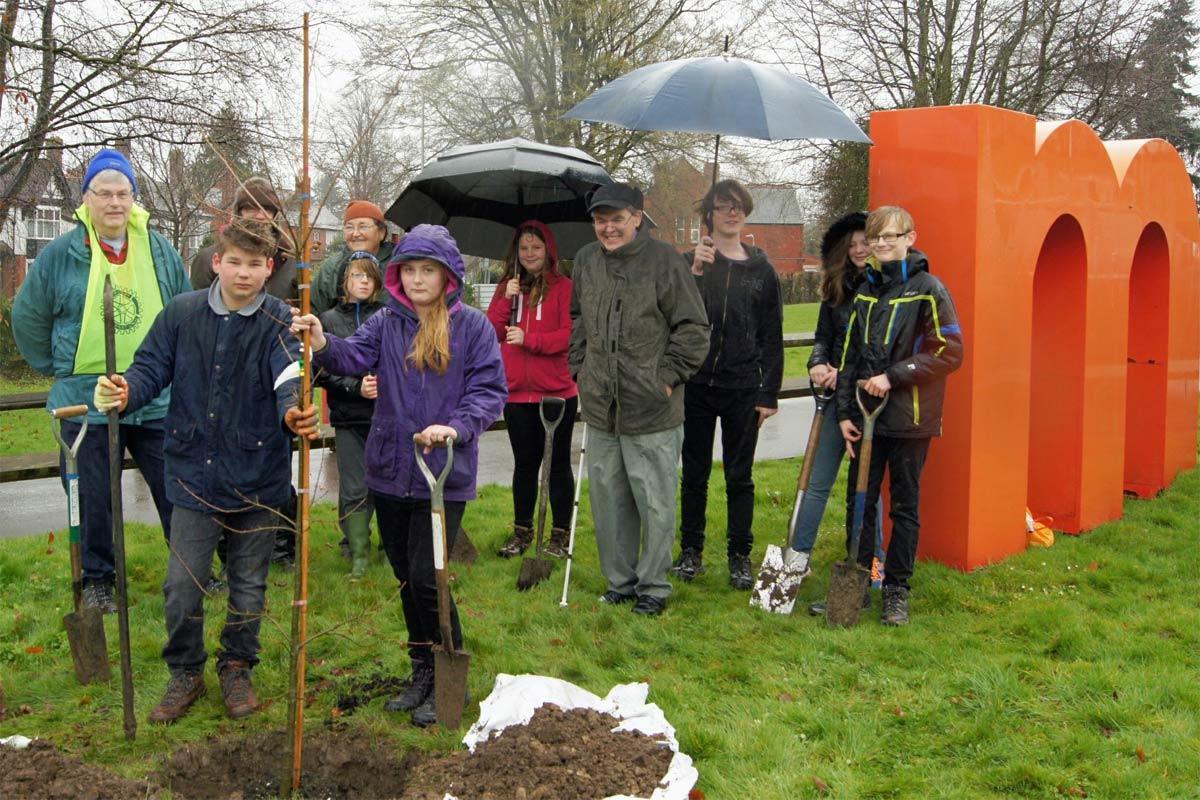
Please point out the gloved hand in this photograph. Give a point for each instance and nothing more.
(302, 421)
(110, 393)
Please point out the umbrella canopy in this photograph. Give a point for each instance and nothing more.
(719, 94)
(482, 192)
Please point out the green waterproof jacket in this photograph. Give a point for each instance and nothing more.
(47, 315)
(637, 326)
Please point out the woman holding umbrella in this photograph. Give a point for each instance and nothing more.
(532, 318)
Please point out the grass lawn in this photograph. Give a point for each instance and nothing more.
(1066, 672)
(25, 431)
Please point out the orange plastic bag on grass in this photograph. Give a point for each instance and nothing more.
(1037, 530)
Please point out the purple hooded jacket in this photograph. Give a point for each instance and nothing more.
(468, 398)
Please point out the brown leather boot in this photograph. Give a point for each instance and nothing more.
(240, 700)
(557, 545)
(518, 543)
(183, 689)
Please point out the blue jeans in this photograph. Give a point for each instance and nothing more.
(827, 458)
(145, 443)
(250, 536)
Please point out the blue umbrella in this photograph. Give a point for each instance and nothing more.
(722, 95)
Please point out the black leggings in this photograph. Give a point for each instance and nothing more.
(527, 437)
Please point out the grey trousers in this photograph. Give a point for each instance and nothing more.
(632, 481)
(251, 535)
(353, 495)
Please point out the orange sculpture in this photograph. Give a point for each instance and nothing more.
(1075, 267)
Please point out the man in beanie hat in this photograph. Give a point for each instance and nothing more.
(256, 199)
(363, 231)
(639, 331)
(58, 324)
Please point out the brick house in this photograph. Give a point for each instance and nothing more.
(42, 210)
(776, 224)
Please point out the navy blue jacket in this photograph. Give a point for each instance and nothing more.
(225, 445)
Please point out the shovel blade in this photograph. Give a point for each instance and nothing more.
(89, 648)
(463, 550)
(847, 584)
(778, 583)
(450, 685)
(533, 572)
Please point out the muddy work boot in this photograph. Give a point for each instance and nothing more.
(689, 565)
(420, 689)
(98, 593)
(518, 543)
(183, 689)
(425, 714)
(240, 700)
(740, 575)
(895, 606)
(358, 531)
(557, 546)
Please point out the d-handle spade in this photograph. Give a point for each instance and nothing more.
(85, 626)
(449, 665)
(849, 579)
(537, 569)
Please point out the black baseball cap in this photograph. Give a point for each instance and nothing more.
(616, 195)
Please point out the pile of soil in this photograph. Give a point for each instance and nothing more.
(335, 765)
(558, 755)
(41, 772)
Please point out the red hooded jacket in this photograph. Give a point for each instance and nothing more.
(538, 367)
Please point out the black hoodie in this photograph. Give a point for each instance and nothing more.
(347, 406)
(745, 309)
(902, 323)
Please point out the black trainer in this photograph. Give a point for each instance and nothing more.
(740, 576)
(616, 598)
(420, 688)
(895, 606)
(650, 606)
(689, 565)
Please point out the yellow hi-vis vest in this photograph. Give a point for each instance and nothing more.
(136, 296)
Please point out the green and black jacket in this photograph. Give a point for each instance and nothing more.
(902, 323)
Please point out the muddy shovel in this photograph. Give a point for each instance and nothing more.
(782, 570)
(449, 665)
(537, 569)
(85, 626)
(849, 579)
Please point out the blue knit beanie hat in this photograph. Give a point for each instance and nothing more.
(109, 159)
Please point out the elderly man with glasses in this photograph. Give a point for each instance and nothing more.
(58, 324)
(638, 333)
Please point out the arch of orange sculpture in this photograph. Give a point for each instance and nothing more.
(1075, 267)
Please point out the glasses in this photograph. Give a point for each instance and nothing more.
(886, 238)
(124, 195)
(729, 208)
(360, 228)
(615, 222)
(359, 276)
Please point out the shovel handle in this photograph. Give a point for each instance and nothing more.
(69, 411)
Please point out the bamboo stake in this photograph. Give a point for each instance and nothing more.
(300, 600)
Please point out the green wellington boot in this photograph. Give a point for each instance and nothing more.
(358, 530)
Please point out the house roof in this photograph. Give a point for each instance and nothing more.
(44, 182)
(775, 205)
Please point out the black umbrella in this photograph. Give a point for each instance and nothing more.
(482, 192)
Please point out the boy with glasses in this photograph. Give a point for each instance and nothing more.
(903, 340)
(638, 333)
